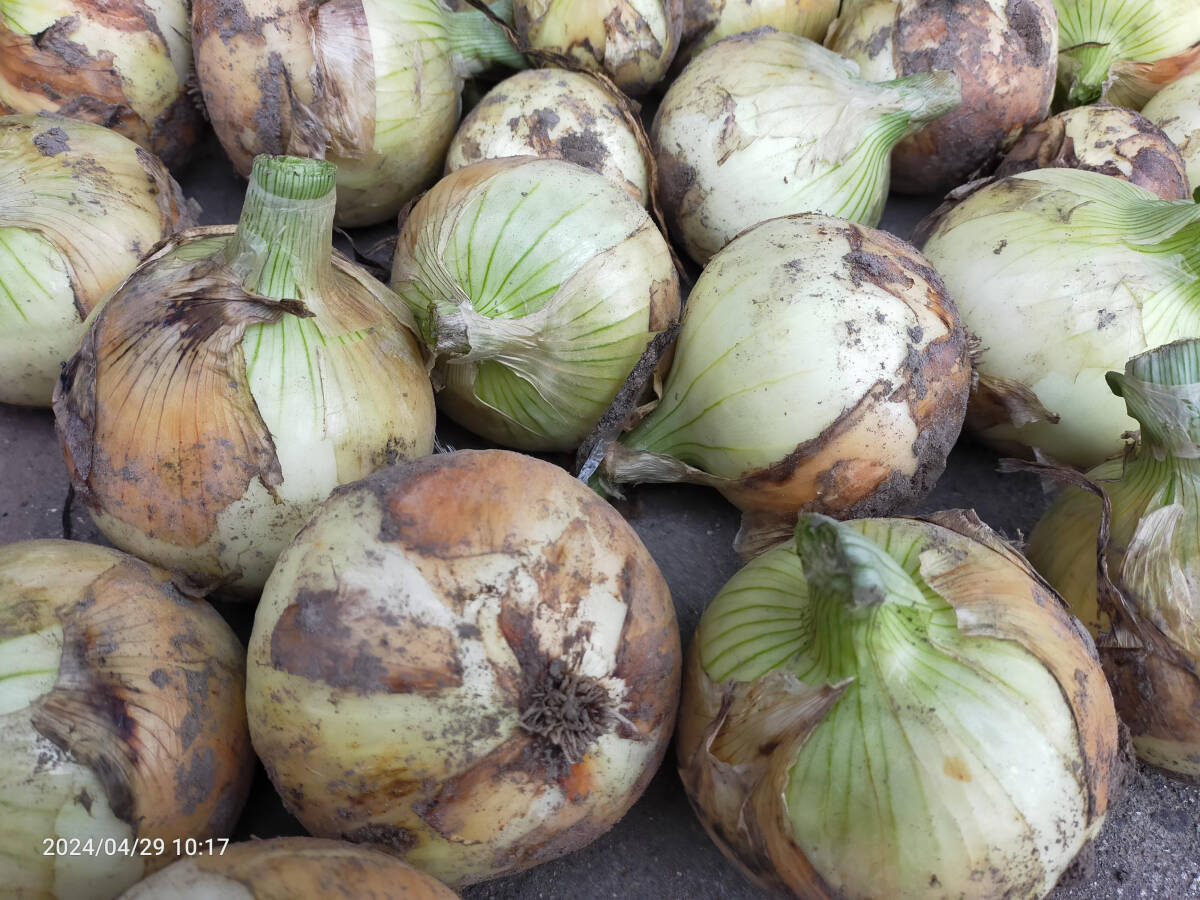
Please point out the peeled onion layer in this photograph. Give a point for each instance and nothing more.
(1176, 110)
(121, 717)
(896, 708)
(707, 21)
(1077, 272)
(765, 124)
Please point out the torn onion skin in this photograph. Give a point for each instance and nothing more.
(1005, 55)
(419, 650)
(122, 716)
(295, 868)
(122, 65)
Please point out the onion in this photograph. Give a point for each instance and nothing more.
(820, 366)
(1151, 649)
(554, 114)
(1176, 110)
(896, 708)
(293, 868)
(538, 285)
(1002, 52)
(79, 205)
(222, 391)
(1125, 51)
(1062, 275)
(1110, 140)
(121, 65)
(122, 724)
(371, 85)
(766, 124)
(630, 41)
(707, 21)
(470, 659)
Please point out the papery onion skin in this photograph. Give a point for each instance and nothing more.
(1176, 110)
(1004, 55)
(122, 66)
(631, 41)
(121, 717)
(1110, 140)
(944, 731)
(553, 114)
(204, 418)
(765, 124)
(79, 206)
(403, 641)
(1062, 274)
(534, 328)
(296, 868)
(707, 21)
(821, 366)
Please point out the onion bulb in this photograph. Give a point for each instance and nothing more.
(122, 722)
(1151, 649)
(79, 206)
(537, 285)
(1061, 275)
(470, 659)
(707, 21)
(1125, 51)
(1176, 110)
(233, 380)
(554, 114)
(630, 41)
(371, 85)
(1110, 140)
(820, 366)
(1003, 54)
(296, 868)
(896, 708)
(765, 124)
(124, 66)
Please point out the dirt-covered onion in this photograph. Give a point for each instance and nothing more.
(122, 721)
(766, 124)
(470, 659)
(234, 379)
(296, 868)
(1003, 53)
(123, 65)
(1176, 110)
(820, 366)
(1111, 140)
(900, 709)
(537, 285)
(707, 21)
(79, 206)
(371, 85)
(554, 114)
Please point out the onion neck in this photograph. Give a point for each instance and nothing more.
(479, 43)
(284, 241)
(1093, 61)
(927, 96)
(1161, 389)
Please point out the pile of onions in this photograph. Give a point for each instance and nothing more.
(470, 659)
(234, 379)
(707, 21)
(373, 86)
(896, 708)
(765, 124)
(124, 66)
(122, 723)
(79, 206)
(295, 868)
(1176, 110)
(537, 285)
(820, 366)
(1003, 53)
(554, 114)
(1149, 636)
(1063, 275)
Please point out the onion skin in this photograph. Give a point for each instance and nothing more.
(1176, 110)
(141, 733)
(410, 627)
(1006, 64)
(707, 21)
(296, 868)
(120, 65)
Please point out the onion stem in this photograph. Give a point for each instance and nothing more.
(480, 42)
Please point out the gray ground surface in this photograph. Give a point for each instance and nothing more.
(1150, 845)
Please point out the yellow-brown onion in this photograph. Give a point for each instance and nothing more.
(469, 659)
(707, 21)
(122, 721)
